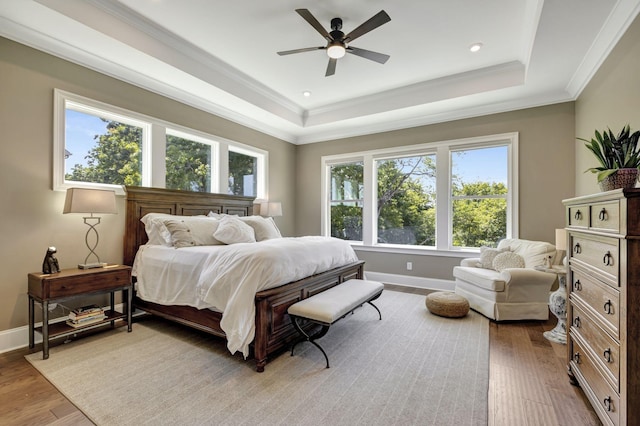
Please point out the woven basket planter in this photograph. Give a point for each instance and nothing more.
(623, 178)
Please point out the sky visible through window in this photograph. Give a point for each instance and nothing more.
(80, 129)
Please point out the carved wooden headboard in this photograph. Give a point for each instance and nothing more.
(141, 201)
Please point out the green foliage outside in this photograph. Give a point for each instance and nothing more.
(241, 165)
(115, 158)
(407, 201)
(188, 165)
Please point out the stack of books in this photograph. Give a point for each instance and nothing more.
(86, 315)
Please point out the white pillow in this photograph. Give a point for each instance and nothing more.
(232, 230)
(487, 254)
(264, 228)
(507, 260)
(193, 231)
(157, 232)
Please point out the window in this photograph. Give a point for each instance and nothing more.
(479, 196)
(243, 169)
(406, 203)
(346, 201)
(444, 196)
(188, 163)
(100, 145)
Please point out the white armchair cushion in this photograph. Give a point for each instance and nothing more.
(534, 253)
(487, 279)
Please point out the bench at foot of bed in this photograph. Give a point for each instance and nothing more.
(332, 305)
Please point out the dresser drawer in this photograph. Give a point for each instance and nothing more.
(578, 216)
(603, 300)
(84, 284)
(605, 216)
(604, 347)
(603, 397)
(602, 253)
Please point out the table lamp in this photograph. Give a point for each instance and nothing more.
(92, 201)
(561, 243)
(271, 209)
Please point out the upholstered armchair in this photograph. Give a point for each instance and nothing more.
(502, 283)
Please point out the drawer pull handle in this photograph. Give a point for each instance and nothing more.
(577, 286)
(607, 404)
(607, 259)
(602, 216)
(576, 357)
(607, 355)
(577, 249)
(578, 215)
(607, 307)
(576, 322)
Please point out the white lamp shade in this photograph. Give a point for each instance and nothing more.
(561, 239)
(81, 200)
(271, 209)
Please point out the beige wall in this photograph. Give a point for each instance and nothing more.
(546, 152)
(31, 211)
(611, 99)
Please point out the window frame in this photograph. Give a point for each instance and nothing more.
(153, 146)
(444, 198)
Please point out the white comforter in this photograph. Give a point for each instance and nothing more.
(228, 277)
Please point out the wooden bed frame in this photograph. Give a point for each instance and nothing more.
(274, 331)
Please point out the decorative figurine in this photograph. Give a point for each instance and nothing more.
(50, 264)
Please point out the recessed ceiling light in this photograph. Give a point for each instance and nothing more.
(306, 93)
(475, 47)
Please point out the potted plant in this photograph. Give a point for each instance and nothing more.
(618, 156)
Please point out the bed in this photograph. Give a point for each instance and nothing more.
(273, 329)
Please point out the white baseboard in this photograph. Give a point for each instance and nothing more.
(411, 281)
(18, 338)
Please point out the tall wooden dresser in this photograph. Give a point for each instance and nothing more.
(603, 312)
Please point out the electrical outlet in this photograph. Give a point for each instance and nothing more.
(409, 266)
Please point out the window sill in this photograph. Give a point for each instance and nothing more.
(418, 251)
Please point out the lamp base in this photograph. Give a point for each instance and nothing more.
(92, 265)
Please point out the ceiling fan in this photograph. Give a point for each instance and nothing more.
(337, 42)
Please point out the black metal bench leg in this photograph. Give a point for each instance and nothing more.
(311, 339)
(379, 313)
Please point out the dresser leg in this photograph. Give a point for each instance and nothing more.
(31, 322)
(45, 329)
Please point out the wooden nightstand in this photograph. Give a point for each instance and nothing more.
(73, 283)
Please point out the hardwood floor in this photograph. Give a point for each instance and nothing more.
(528, 385)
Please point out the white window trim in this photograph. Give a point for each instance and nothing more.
(154, 146)
(443, 186)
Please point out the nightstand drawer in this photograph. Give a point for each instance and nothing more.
(87, 284)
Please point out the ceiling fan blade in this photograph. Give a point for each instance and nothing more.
(379, 19)
(331, 67)
(304, 49)
(314, 23)
(380, 58)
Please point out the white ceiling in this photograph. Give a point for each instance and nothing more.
(220, 56)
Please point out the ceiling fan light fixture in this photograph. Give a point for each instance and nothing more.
(336, 50)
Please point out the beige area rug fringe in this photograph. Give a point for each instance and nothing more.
(411, 368)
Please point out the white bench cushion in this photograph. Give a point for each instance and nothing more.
(333, 304)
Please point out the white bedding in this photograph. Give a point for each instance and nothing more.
(226, 278)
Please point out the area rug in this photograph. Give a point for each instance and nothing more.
(410, 368)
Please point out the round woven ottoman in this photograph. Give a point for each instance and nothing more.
(447, 304)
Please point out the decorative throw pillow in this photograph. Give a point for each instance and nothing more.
(507, 260)
(191, 232)
(264, 228)
(487, 254)
(232, 230)
(157, 232)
